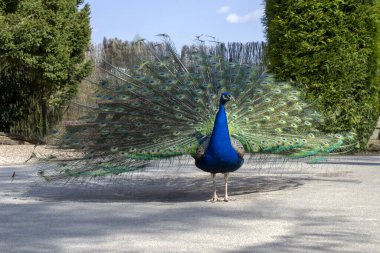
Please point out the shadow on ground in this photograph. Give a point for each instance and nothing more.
(189, 184)
(310, 231)
(337, 214)
(180, 189)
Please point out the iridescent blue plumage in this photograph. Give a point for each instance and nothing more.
(220, 156)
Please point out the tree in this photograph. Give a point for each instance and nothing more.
(329, 48)
(42, 60)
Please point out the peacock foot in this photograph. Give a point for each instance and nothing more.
(215, 199)
(228, 199)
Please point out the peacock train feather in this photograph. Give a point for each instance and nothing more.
(202, 105)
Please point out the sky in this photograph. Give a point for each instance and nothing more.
(182, 20)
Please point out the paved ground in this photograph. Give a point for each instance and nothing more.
(278, 207)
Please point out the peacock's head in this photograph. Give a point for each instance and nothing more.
(225, 97)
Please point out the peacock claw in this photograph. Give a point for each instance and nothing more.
(228, 199)
(215, 199)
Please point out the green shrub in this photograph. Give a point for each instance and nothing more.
(42, 60)
(328, 48)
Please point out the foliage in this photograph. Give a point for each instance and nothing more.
(42, 60)
(377, 18)
(329, 48)
(125, 53)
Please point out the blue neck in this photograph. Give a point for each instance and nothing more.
(220, 137)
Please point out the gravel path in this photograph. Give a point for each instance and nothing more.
(20, 154)
(277, 207)
(15, 154)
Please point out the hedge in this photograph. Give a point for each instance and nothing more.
(329, 48)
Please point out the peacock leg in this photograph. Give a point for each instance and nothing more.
(226, 199)
(214, 197)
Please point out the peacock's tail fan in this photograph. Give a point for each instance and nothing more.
(164, 106)
(272, 117)
(92, 167)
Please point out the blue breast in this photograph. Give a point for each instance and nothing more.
(220, 156)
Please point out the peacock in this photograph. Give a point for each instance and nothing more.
(203, 105)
